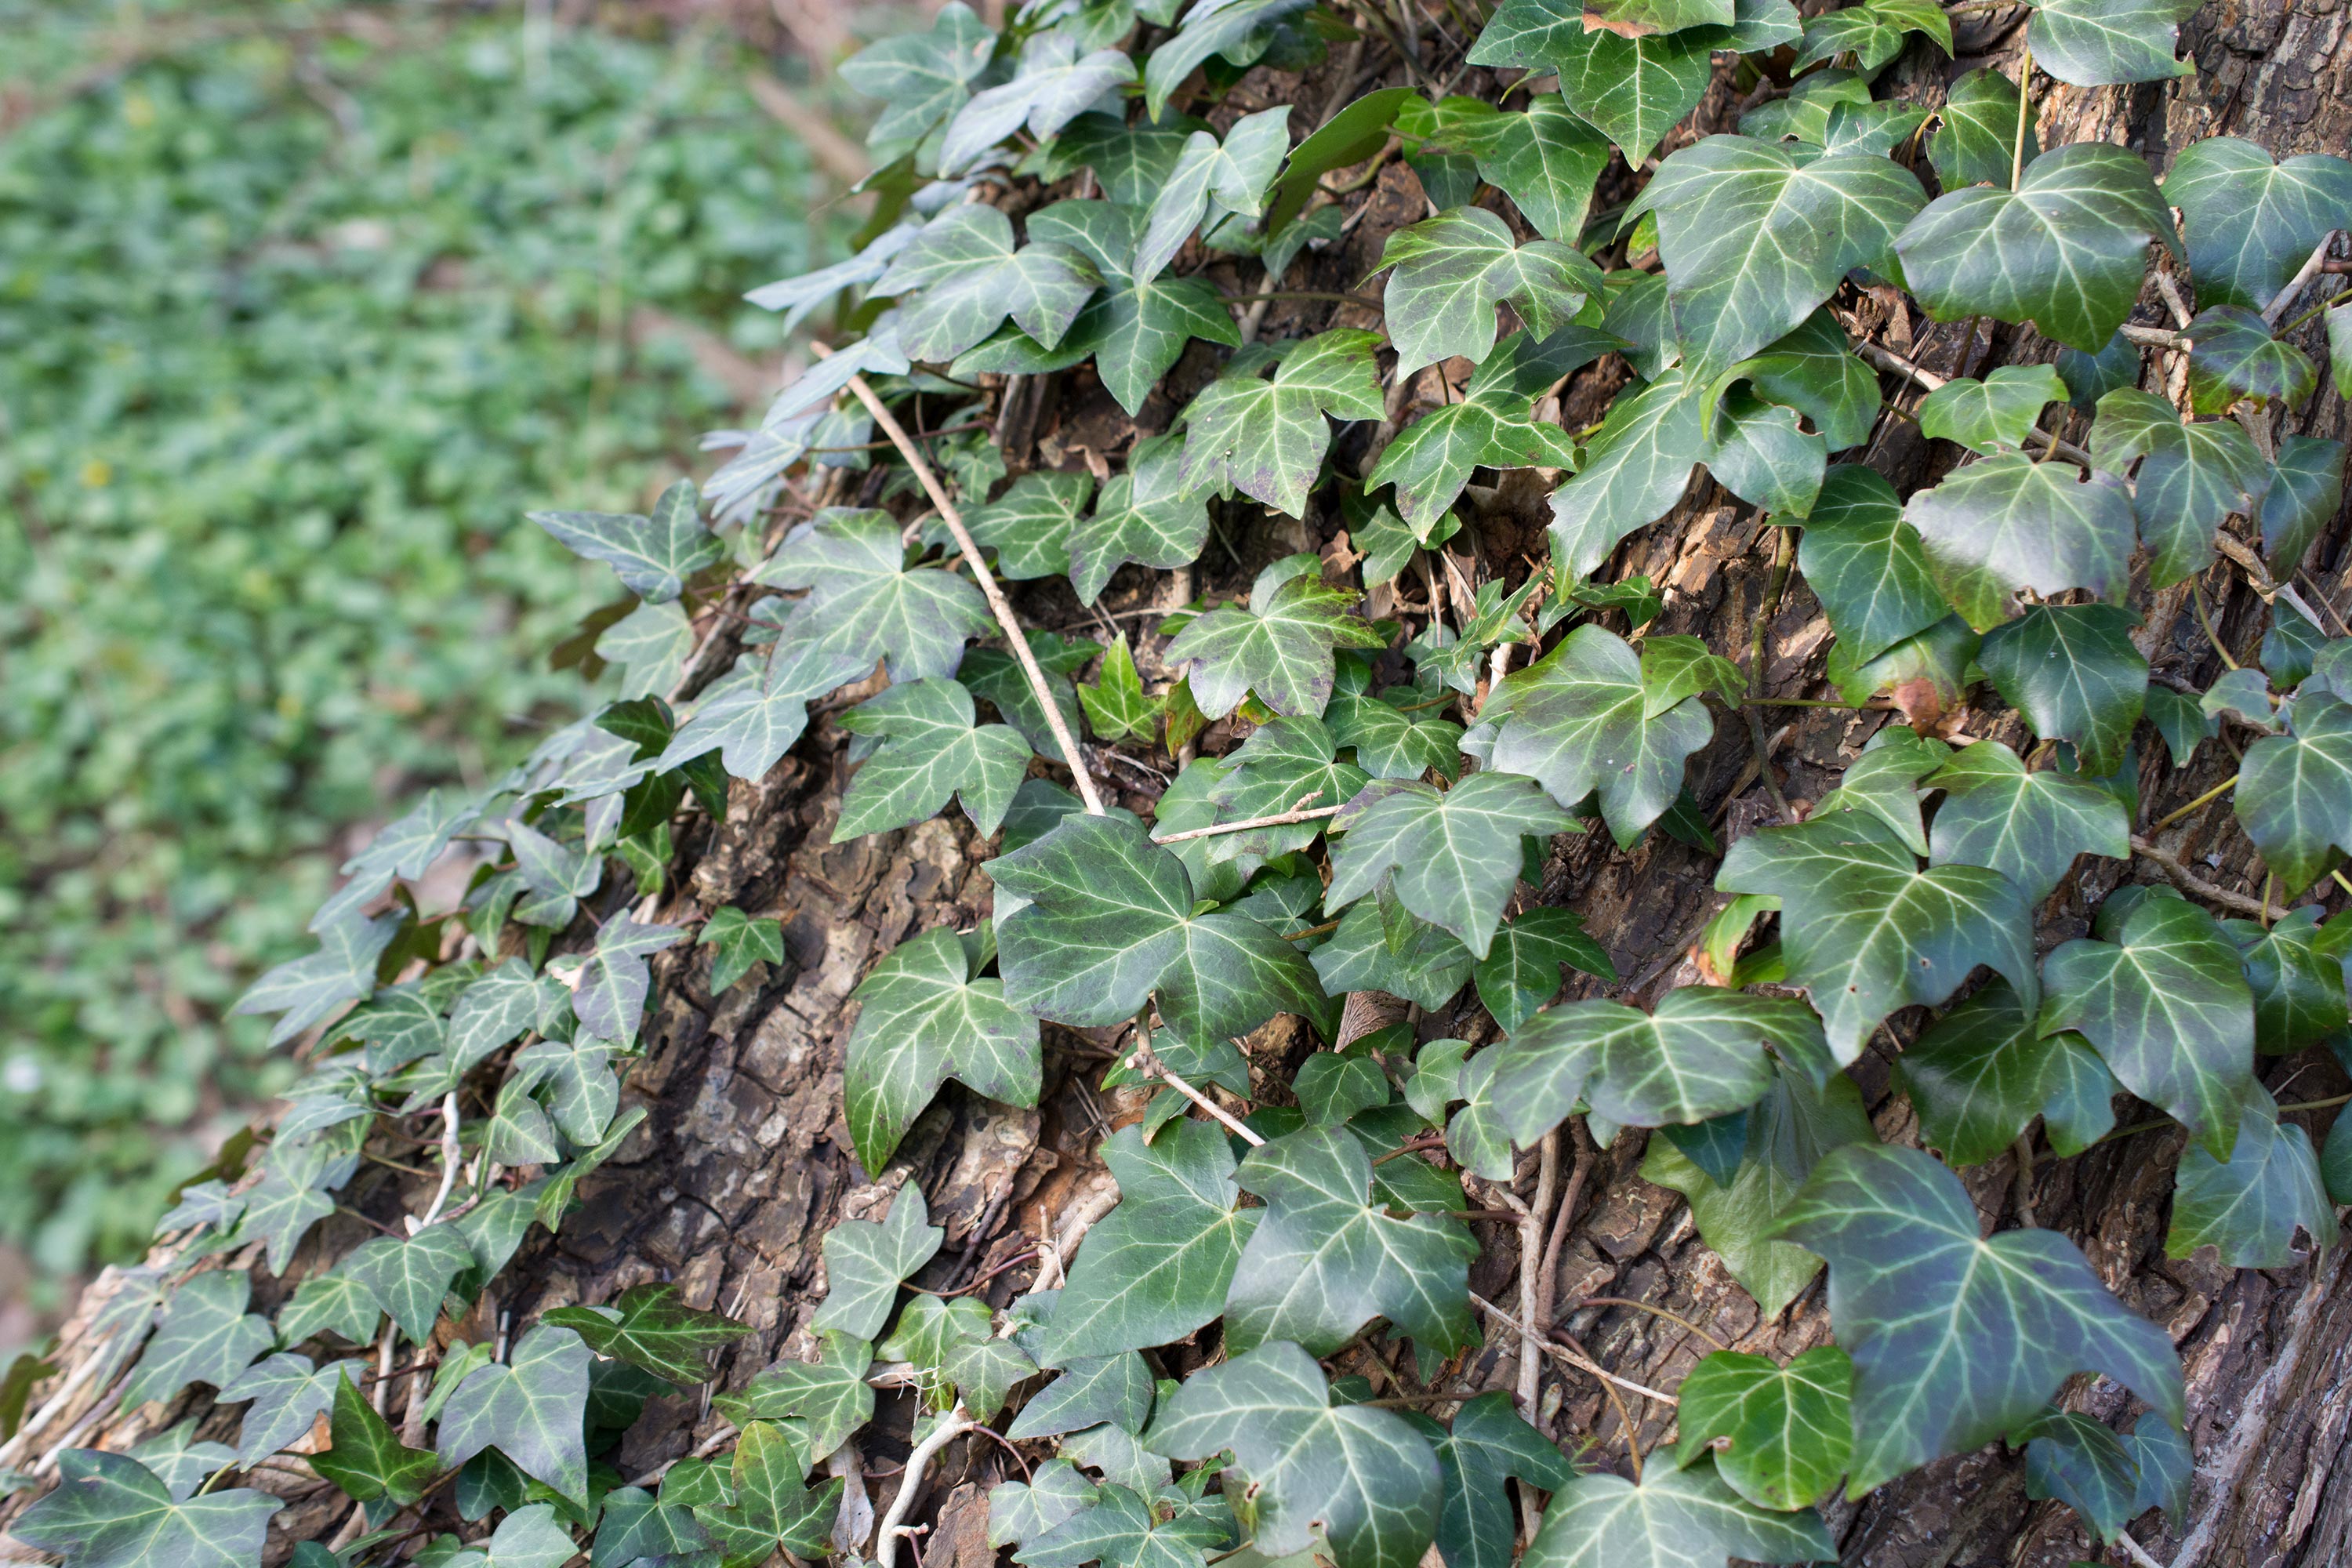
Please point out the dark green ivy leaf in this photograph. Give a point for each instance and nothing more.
(1781, 1434)
(924, 1016)
(1631, 89)
(2190, 477)
(963, 276)
(1117, 706)
(206, 1336)
(2294, 792)
(1547, 159)
(1278, 645)
(368, 1459)
(2232, 357)
(2072, 671)
(1980, 1074)
(1957, 1338)
(1450, 858)
(2009, 523)
(1266, 437)
(1494, 427)
(654, 1330)
(1993, 415)
(2251, 1207)
(2306, 485)
(1449, 273)
(1635, 468)
(108, 1511)
(531, 1408)
(653, 555)
(1871, 32)
(932, 748)
(2098, 43)
(920, 78)
(2250, 222)
(864, 1261)
(304, 990)
(1137, 519)
(1522, 972)
(2297, 978)
(1866, 565)
(2029, 826)
(1975, 137)
(409, 1276)
(742, 942)
(1477, 1527)
(771, 1506)
(1674, 1518)
(827, 1400)
(865, 602)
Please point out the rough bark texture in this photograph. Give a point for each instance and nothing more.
(745, 1163)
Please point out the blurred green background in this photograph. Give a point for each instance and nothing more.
(301, 308)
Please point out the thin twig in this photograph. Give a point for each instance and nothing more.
(1145, 1062)
(2310, 270)
(1655, 1313)
(449, 1159)
(997, 602)
(2216, 792)
(1576, 1359)
(1531, 1238)
(1278, 819)
(2212, 892)
(1928, 380)
(954, 1425)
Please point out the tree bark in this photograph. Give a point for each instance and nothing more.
(744, 1162)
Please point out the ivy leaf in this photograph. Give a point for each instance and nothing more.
(528, 1538)
(2029, 826)
(288, 1395)
(2099, 43)
(1362, 1475)
(1814, 371)
(206, 1336)
(1452, 858)
(864, 1261)
(577, 1083)
(1431, 462)
(1634, 469)
(2251, 1207)
(2232, 356)
(1522, 970)
(1675, 1519)
(653, 556)
(2294, 792)
(1873, 32)
(931, 749)
(281, 1211)
(368, 1460)
(1993, 415)
(2078, 1460)
(1123, 1529)
(406, 847)
(1781, 1434)
(1784, 1136)
(828, 1399)
(1327, 1258)
(2297, 979)
(2191, 476)
(1974, 141)
(771, 1506)
(1631, 90)
(1020, 1512)
(1765, 457)
(1866, 565)
(611, 1000)
(1451, 271)
(531, 1408)
(2160, 995)
(1234, 173)
(650, 645)
(1882, 780)
(1238, 30)
(866, 603)
(1278, 645)
(1134, 521)
(1957, 1338)
(1114, 1388)
(1283, 765)
(1389, 741)
(1547, 159)
(1138, 330)
(1754, 235)
(2072, 671)
(2248, 222)
(2306, 485)
(409, 1275)
(1428, 967)
(1117, 706)
(751, 721)
(181, 1464)
(653, 1329)
(1161, 1264)
(304, 990)
(108, 1511)
(925, 1016)
(1267, 438)
(1110, 922)
(965, 276)
(1029, 525)
(636, 1527)
(2009, 523)
(2065, 250)
(742, 942)
(1699, 1056)
(1055, 85)
(922, 77)
(1477, 1527)
(1866, 932)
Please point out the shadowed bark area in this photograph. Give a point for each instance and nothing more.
(743, 1162)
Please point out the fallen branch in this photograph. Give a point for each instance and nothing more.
(2212, 892)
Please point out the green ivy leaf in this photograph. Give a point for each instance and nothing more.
(1450, 858)
(181, 1464)
(752, 720)
(1267, 438)
(2249, 222)
(931, 749)
(1283, 765)
(653, 556)
(924, 1016)
(2029, 826)
(1675, 1519)
(864, 1261)
(2072, 671)
(1389, 741)
(305, 990)
(1522, 972)
(1865, 931)
(2232, 357)
(1631, 90)
(1993, 415)
(1873, 32)
(1238, 30)
(922, 77)
(636, 1527)
(2078, 1460)
(368, 1459)
(611, 998)
(1055, 84)
(771, 1508)
(2098, 43)
(827, 1400)
(2306, 485)
(2065, 250)
(1765, 457)
(1110, 922)
(1494, 426)
(740, 941)
(1117, 706)
(2297, 979)
(206, 1336)
(1449, 273)
(409, 1276)
(2294, 792)
(1635, 468)
(406, 847)
(1754, 235)
(288, 1395)
(531, 1408)
(1957, 1338)
(1135, 521)
(653, 1329)
(1781, 1434)
(963, 276)
(2251, 1207)
(2190, 477)
(1114, 1388)
(1278, 645)
(576, 1079)
(1364, 954)
(1866, 565)
(866, 603)
(1328, 1259)
(1477, 1527)
(1029, 525)
(2009, 523)
(1234, 174)
(1591, 717)
(1975, 137)
(281, 1211)
(1883, 782)
(1362, 1476)
(108, 1511)
(1161, 1264)
(1547, 159)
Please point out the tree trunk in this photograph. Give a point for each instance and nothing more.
(744, 1161)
